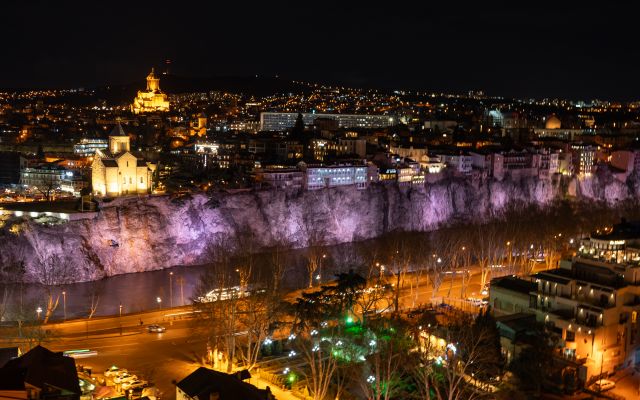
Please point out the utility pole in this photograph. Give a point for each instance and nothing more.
(171, 289)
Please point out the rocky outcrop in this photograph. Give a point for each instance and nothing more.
(147, 233)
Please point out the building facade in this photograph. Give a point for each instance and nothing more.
(590, 302)
(118, 172)
(273, 121)
(152, 99)
(319, 177)
(87, 147)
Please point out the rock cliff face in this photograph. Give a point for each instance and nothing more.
(141, 234)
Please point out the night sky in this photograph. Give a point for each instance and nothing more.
(542, 50)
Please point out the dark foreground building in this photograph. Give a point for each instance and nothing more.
(206, 384)
(40, 374)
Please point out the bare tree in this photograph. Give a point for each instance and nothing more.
(277, 259)
(51, 272)
(94, 297)
(314, 254)
(321, 363)
(380, 377)
(4, 301)
(217, 301)
(443, 365)
(398, 254)
(48, 187)
(255, 314)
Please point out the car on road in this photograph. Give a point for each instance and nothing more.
(134, 385)
(114, 371)
(603, 385)
(156, 328)
(124, 378)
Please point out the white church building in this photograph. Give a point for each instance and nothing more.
(117, 172)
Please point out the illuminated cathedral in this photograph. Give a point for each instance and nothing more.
(152, 99)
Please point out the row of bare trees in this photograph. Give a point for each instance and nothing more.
(238, 296)
(388, 356)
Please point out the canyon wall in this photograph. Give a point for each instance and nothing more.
(147, 233)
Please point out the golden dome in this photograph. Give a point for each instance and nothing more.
(553, 122)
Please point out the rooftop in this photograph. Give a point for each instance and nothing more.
(43, 369)
(623, 231)
(515, 284)
(203, 382)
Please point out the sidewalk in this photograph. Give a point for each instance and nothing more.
(277, 392)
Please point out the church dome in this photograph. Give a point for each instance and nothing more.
(553, 122)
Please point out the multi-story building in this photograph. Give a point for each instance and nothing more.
(273, 121)
(280, 178)
(353, 146)
(318, 177)
(584, 157)
(590, 302)
(626, 160)
(10, 165)
(245, 126)
(209, 155)
(546, 161)
(418, 154)
(49, 178)
(88, 146)
(461, 164)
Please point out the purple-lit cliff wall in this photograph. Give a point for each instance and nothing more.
(140, 234)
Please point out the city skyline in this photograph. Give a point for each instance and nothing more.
(319, 201)
(522, 51)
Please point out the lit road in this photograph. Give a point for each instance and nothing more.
(158, 357)
(170, 356)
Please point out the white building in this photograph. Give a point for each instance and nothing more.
(118, 172)
(462, 164)
(88, 146)
(318, 177)
(273, 121)
(591, 302)
(49, 178)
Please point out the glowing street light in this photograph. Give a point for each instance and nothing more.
(39, 311)
(171, 289)
(64, 304)
(159, 301)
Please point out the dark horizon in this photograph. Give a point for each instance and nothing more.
(577, 52)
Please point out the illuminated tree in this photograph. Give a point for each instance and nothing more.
(52, 271)
(381, 374)
(444, 365)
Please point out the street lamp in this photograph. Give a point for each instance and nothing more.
(320, 267)
(39, 311)
(159, 300)
(64, 304)
(120, 309)
(171, 289)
